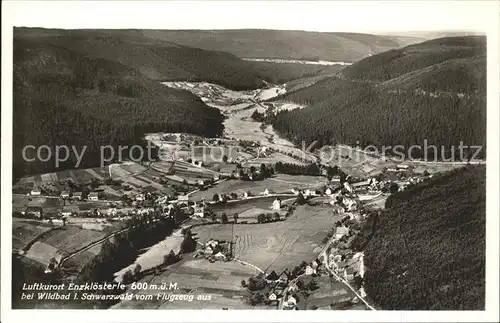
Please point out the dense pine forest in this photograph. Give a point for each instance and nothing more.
(397, 62)
(440, 99)
(429, 249)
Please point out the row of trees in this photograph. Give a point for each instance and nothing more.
(125, 247)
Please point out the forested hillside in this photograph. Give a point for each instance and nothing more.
(62, 97)
(443, 104)
(167, 61)
(292, 44)
(394, 63)
(95, 88)
(429, 250)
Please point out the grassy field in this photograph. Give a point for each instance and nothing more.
(249, 209)
(20, 202)
(276, 245)
(25, 231)
(281, 183)
(272, 159)
(220, 281)
(62, 241)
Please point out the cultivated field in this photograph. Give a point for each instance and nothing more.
(79, 176)
(272, 159)
(276, 245)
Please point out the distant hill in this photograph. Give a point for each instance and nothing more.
(427, 35)
(462, 75)
(168, 61)
(394, 63)
(291, 44)
(429, 250)
(434, 91)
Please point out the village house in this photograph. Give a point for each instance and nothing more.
(93, 196)
(402, 167)
(328, 191)
(295, 191)
(216, 177)
(361, 184)
(69, 210)
(211, 243)
(283, 278)
(110, 211)
(220, 256)
(341, 231)
(272, 296)
(77, 196)
(348, 187)
(349, 273)
(290, 302)
(272, 277)
(35, 211)
(315, 264)
(140, 197)
(246, 194)
(276, 204)
(293, 288)
(35, 192)
(64, 194)
(310, 270)
(337, 209)
(350, 204)
(183, 199)
(208, 251)
(199, 211)
(267, 192)
(278, 291)
(335, 180)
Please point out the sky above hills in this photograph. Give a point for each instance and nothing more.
(335, 16)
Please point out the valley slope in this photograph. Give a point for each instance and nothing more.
(432, 91)
(95, 88)
(429, 250)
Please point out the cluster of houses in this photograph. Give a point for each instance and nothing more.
(279, 283)
(92, 196)
(215, 250)
(346, 267)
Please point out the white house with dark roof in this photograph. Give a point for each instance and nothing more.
(93, 196)
(276, 204)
